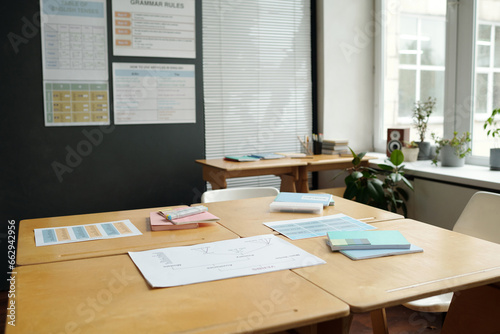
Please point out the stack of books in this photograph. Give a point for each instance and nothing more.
(359, 245)
(180, 218)
(337, 147)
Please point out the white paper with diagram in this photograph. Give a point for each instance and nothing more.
(175, 266)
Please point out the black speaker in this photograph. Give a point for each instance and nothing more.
(396, 139)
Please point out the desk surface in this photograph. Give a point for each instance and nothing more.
(246, 217)
(109, 295)
(248, 165)
(450, 262)
(28, 253)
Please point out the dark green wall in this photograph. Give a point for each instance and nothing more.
(114, 167)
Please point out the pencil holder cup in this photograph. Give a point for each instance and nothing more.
(317, 147)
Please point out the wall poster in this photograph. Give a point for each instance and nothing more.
(75, 62)
(154, 93)
(154, 28)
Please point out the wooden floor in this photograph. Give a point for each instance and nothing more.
(400, 320)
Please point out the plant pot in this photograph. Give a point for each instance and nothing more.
(449, 158)
(424, 148)
(495, 158)
(410, 153)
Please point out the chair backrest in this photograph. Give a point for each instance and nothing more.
(481, 217)
(237, 193)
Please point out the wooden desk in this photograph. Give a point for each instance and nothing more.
(109, 295)
(28, 253)
(323, 162)
(217, 171)
(450, 262)
(245, 217)
(293, 172)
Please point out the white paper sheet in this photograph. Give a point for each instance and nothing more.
(77, 233)
(175, 266)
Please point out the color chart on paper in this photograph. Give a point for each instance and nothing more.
(77, 233)
(318, 227)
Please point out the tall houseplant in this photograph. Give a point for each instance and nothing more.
(453, 151)
(493, 129)
(421, 114)
(384, 188)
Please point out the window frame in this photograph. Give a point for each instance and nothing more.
(460, 73)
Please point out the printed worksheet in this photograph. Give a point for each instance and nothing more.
(318, 226)
(154, 28)
(77, 233)
(175, 266)
(154, 93)
(75, 62)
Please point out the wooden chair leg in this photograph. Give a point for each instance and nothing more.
(379, 321)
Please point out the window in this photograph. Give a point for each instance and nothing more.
(487, 73)
(257, 78)
(413, 39)
(464, 77)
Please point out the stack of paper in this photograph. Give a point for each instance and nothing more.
(161, 221)
(359, 245)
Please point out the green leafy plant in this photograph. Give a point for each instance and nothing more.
(380, 188)
(492, 127)
(460, 144)
(421, 113)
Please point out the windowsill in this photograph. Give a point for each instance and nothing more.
(470, 175)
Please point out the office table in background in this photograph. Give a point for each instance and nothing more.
(293, 172)
(217, 171)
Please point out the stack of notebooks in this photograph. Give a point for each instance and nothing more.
(180, 218)
(359, 245)
(301, 202)
(254, 157)
(338, 147)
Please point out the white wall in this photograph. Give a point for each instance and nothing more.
(345, 63)
(345, 71)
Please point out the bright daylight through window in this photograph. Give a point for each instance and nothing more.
(415, 63)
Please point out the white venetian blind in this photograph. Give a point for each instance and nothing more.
(257, 78)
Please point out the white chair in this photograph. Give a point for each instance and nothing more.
(480, 219)
(237, 193)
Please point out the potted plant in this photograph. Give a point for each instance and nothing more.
(410, 151)
(493, 129)
(382, 188)
(421, 113)
(453, 151)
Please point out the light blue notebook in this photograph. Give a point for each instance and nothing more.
(351, 240)
(361, 254)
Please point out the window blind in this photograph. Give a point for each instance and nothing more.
(257, 79)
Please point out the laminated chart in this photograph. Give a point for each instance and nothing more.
(75, 62)
(154, 28)
(154, 93)
(67, 234)
(175, 266)
(317, 227)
